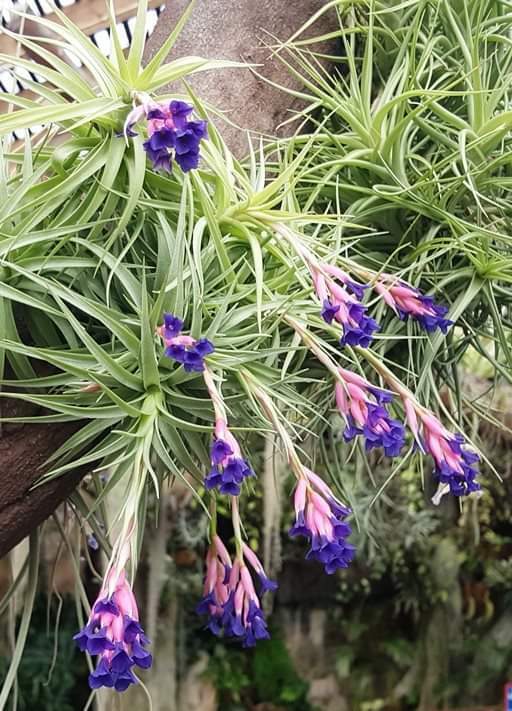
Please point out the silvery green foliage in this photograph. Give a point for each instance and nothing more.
(96, 247)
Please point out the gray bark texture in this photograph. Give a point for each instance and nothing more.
(244, 30)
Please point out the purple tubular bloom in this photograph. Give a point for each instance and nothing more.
(229, 468)
(193, 361)
(188, 161)
(320, 518)
(176, 352)
(230, 600)
(228, 478)
(172, 327)
(460, 479)
(219, 451)
(188, 351)
(379, 430)
(434, 316)
(204, 347)
(329, 311)
(407, 301)
(180, 112)
(363, 407)
(356, 288)
(113, 633)
(359, 329)
(165, 138)
(171, 133)
(160, 158)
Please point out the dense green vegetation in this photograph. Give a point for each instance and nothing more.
(405, 167)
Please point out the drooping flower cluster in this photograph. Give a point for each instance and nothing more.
(338, 305)
(456, 466)
(320, 517)
(364, 409)
(171, 133)
(229, 468)
(407, 301)
(331, 284)
(230, 600)
(188, 351)
(114, 634)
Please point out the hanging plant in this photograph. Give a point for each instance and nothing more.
(182, 300)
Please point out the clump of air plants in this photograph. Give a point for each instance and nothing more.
(226, 246)
(235, 580)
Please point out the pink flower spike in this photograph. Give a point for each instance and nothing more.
(383, 291)
(230, 599)
(221, 551)
(322, 520)
(407, 301)
(114, 634)
(341, 399)
(412, 421)
(455, 464)
(320, 286)
(247, 583)
(300, 495)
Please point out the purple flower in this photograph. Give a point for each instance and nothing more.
(320, 517)
(113, 633)
(229, 468)
(176, 352)
(363, 408)
(219, 451)
(358, 328)
(341, 307)
(161, 159)
(455, 466)
(329, 311)
(180, 112)
(356, 288)
(188, 351)
(172, 327)
(408, 301)
(165, 138)
(187, 161)
(230, 599)
(172, 133)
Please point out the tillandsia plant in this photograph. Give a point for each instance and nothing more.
(184, 305)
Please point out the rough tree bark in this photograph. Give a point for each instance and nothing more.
(23, 451)
(244, 30)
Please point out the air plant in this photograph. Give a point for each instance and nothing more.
(172, 303)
